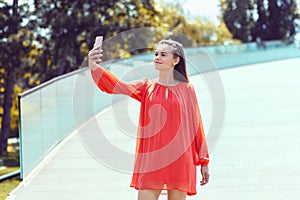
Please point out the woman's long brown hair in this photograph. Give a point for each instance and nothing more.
(180, 72)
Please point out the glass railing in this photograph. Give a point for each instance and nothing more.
(52, 111)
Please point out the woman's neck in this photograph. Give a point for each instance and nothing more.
(167, 78)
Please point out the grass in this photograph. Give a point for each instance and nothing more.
(8, 185)
(11, 162)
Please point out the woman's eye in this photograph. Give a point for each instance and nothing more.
(156, 54)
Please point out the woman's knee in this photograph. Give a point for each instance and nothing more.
(176, 195)
(148, 194)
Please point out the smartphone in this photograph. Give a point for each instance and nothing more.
(98, 41)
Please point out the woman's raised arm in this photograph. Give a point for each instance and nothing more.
(108, 82)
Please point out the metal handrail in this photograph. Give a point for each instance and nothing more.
(50, 82)
(10, 175)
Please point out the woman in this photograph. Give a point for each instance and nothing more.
(171, 141)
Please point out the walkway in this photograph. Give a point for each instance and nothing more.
(255, 158)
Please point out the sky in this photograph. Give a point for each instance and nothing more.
(200, 8)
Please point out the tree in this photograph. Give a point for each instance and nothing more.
(282, 15)
(71, 27)
(261, 26)
(264, 19)
(15, 40)
(239, 19)
(201, 32)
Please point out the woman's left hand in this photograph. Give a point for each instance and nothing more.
(205, 175)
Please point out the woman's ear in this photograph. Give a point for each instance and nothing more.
(177, 60)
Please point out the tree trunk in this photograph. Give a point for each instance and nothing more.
(9, 88)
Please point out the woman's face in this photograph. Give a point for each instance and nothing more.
(164, 59)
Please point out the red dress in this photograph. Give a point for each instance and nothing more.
(170, 141)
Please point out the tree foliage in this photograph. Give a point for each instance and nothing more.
(200, 31)
(248, 20)
(67, 28)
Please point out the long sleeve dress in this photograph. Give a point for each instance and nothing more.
(170, 140)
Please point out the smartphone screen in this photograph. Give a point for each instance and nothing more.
(98, 41)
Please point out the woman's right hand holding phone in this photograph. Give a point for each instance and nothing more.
(94, 57)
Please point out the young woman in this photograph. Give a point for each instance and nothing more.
(170, 141)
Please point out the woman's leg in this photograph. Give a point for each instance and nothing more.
(148, 194)
(176, 195)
